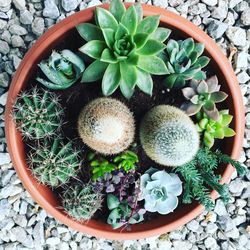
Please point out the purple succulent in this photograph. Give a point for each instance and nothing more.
(203, 95)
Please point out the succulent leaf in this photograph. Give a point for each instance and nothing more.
(89, 31)
(117, 9)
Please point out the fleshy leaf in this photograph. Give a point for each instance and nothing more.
(140, 39)
(139, 12)
(111, 79)
(161, 34)
(190, 108)
(94, 71)
(144, 82)
(199, 48)
(93, 48)
(208, 140)
(108, 57)
(202, 61)
(188, 93)
(172, 44)
(209, 105)
(112, 202)
(148, 25)
(128, 74)
(109, 37)
(126, 89)
(228, 132)
(89, 32)
(202, 87)
(151, 47)
(170, 81)
(129, 20)
(153, 65)
(121, 31)
(218, 134)
(105, 19)
(117, 9)
(188, 45)
(218, 96)
(226, 119)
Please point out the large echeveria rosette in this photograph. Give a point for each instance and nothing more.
(160, 190)
(125, 48)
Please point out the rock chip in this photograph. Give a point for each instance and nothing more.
(20, 4)
(242, 60)
(16, 29)
(53, 241)
(5, 5)
(245, 17)
(216, 29)
(10, 190)
(38, 26)
(210, 2)
(50, 9)
(220, 208)
(243, 77)
(3, 24)
(26, 17)
(17, 41)
(160, 3)
(236, 35)
(210, 243)
(38, 233)
(69, 5)
(4, 157)
(193, 226)
(4, 81)
(4, 47)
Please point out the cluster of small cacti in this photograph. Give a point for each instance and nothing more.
(126, 50)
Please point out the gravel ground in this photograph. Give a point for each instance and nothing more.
(24, 225)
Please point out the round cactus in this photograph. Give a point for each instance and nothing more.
(81, 202)
(168, 136)
(37, 113)
(106, 125)
(54, 163)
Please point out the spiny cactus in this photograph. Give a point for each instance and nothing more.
(62, 69)
(184, 62)
(37, 113)
(53, 162)
(168, 136)
(81, 202)
(106, 125)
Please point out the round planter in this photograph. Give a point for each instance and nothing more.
(47, 199)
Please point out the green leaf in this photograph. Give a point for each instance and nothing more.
(144, 82)
(203, 123)
(202, 61)
(117, 9)
(121, 31)
(93, 48)
(218, 134)
(112, 202)
(170, 81)
(172, 44)
(139, 12)
(199, 48)
(200, 75)
(152, 47)
(94, 71)
(226, 119)
(126, 89)
(153, 65)
(89, 31)
(111, 79)
(108, 56)
(188, 45)
(105, 19)
(218, 96)
(133, 59)
(109, 37)
(228, 132)
(129, 19)
(208, 140)
(161, 34)
(149, 24)
(140, 39)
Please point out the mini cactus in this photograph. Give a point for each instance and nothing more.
(37, 113)
(81, 202)
(62, 69)
(53, 162)
(168, 136)
(184, 62)
(106, 125)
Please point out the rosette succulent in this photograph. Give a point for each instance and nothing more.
(125, 48)
(184, 62)
(62, 69)
(160, 190)
(212, 129)
(203, 95)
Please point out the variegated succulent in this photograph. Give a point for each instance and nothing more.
(212, 129)
(62, 69)
(125, 48)
(184, 62)
(203, 95)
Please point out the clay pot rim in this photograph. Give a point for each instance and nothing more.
(13, 138)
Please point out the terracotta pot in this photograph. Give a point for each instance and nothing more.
(47, 199)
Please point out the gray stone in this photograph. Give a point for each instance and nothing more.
(20, 220)
(50, 9)
(160, 3)
(38, 233)
(4, 157)
(19, 234)
(10, 190)
(226, 223)
(17, 41)
(221, 11)
(236, 35)
(69, 5)
(233, 233)
(53, 241)
(7, 224)
(220, 208)
(245, 17)
(16, 29)
(197, 9)
(20, 4)
(26, 17)
(241, 60)
(216, 29)
(16, 61)
(4, 47)
(243, 77)
(94, 3)
(237, 186)
(239, 219)
(4, 208)
(38, 26)
(3, 24)
(233, 3)
(5, 5)
(210, 243)
(211, 228)
(210, 2)
(180, 245)
(23, 207)
(243, 5)
(6, 36)
(5, 177)
(4, 80)
(193, 225)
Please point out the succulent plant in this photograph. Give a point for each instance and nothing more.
(203, 95)
(184, 62)
(62, 69)
(168, 136)
(106, 125)
(212, 129)
(126, 160)
(81, 202)
(121, 213)
(160, 190)
(53, 162)
(125, 48)
(37, 113)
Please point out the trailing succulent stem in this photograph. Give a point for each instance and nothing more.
(184, 62)
(53, 162)
(37, 113)
(199, 174)
(121, 42)
(81, 202)
(168, 136)
(106, 125)
(62, 69)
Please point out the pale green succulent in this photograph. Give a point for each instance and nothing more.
(160, 190)
(62, 69)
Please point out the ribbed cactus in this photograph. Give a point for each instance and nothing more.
(81, 202)
(106, 125)
(53, 162)
(37, 113)
(168, 136)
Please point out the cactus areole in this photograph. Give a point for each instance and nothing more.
(44, 195)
